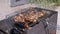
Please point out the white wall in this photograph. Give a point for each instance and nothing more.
(4, 8)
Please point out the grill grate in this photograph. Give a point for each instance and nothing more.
(50, 17)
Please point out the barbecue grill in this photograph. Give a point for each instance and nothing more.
(45, 22)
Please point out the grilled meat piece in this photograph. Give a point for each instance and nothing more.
(30, 17)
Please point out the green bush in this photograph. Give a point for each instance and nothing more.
(45, 2)
(54, 1)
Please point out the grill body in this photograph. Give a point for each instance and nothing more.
(45, 26)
